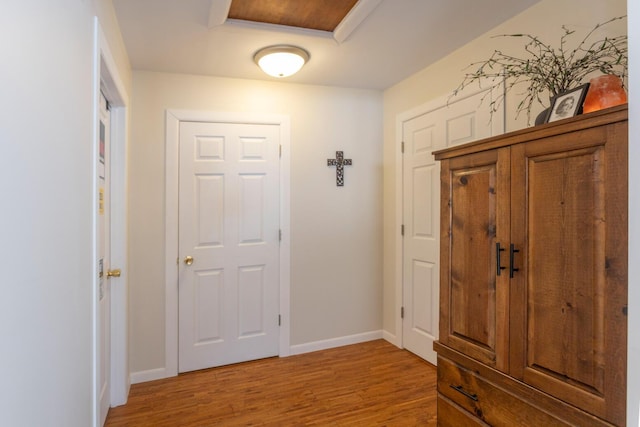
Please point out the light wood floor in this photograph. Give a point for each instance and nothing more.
(369, 384)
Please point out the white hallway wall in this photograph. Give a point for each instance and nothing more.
(336, 241)
(545, 20)
(46, 175)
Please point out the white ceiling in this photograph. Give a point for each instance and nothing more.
(395, 40)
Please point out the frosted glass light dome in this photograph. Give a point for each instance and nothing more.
(281, 61)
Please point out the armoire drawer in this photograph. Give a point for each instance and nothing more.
(451, 415)
(487, 402)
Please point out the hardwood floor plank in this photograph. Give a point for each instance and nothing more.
(368, 384)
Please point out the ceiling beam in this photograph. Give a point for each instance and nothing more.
(218, 12)
(358, 13)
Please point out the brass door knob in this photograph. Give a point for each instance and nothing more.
(188, 260)
(114, 273)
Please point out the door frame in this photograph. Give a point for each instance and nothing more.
(107, 79)
(173, 119)
(498, 127)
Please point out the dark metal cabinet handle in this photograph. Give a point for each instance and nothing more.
(512, 251)
(499, 268)
(459, 389)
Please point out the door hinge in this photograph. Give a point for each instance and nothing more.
(402, 147)
(280, 151)
(402, 230)
(279, 235)
(279, 320)
(402, 312)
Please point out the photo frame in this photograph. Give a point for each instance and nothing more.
(567, 104)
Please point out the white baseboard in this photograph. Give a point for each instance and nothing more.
(393, 339)
(149, 375)
(335, 342)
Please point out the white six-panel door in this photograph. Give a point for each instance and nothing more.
(421, 135)
(229, 227)
(444, 126)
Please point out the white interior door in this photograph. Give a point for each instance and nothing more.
(228, 243)
(444, 126)
(104, 249)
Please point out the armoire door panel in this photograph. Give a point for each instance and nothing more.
(565, 292)
(566, 274)
(472, 278)
(476, 298)
(566, 271)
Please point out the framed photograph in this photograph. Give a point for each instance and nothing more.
(567, 104)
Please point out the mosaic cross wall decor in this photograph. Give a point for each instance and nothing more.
(339, 162)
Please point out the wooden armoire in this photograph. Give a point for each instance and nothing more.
(533, 276)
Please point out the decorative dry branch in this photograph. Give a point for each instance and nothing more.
(548, 69)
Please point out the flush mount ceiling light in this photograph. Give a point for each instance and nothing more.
(282, 60)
